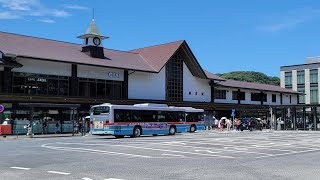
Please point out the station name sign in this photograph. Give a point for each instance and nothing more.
(114, 75)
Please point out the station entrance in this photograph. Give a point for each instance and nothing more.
(296, 117)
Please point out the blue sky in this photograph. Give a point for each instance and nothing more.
(225, 35)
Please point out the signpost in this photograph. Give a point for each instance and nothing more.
(233, 115)
(1, 108)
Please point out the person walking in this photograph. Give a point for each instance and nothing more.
(222, 123)
(57, 128)
(228, 123)
(28, 129)
(238, 121)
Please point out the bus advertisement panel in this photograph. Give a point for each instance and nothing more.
(136, 120)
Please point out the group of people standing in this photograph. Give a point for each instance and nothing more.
(236, 124)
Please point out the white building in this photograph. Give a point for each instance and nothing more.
(37, 70)
(303, 78)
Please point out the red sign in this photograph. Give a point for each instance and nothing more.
(1, 108)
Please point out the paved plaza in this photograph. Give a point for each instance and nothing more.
(201, 155)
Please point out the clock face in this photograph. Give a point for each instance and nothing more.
(96, 41)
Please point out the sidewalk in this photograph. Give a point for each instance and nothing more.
(12, 137)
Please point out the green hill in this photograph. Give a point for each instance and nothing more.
(251, 76)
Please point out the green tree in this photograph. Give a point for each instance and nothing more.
(251, 76)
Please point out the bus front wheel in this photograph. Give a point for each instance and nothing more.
(172, 130)
(137, 132)
(193, 128)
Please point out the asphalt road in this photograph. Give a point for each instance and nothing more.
(201, 155)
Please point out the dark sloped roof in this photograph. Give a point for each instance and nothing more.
(255, 86)
(26, 46)
(213, 76)
(157, 56)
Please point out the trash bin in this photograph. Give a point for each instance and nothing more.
(5, 129)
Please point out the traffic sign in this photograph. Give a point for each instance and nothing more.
(233, 114)
(1, 108)
(233, 110)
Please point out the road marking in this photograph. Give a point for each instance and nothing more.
(21, 168)
(173, 155)
(113, 179)
(296, 152)
(57, 172)
(182, 152)
(85, 178)
(91, 151)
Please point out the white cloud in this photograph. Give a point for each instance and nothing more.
(19, 5)
(75, 6)
(283, 26)
(291, 19)
(50, 21)
(8, 15)
(60, 13)
(24, 9)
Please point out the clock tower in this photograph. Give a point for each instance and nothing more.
(92, 41)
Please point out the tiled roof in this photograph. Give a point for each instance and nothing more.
(26, 46)
(213, 76)
(157, 56)
(255, 86)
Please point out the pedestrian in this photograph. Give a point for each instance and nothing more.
(57, 128)
(228, 123)
(216, 122)
(28, 127)
(251, 124)
(222, 123)
(238, 124)
(44, 127)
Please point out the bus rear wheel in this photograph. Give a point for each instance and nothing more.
(172, 130)
(137, 132)
(193, 128)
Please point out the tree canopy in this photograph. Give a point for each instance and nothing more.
(251, 76)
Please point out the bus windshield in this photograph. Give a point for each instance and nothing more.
(100, 110)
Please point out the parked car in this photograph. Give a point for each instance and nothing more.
(245, 123)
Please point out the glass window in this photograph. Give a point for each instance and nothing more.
(100, 110)
(101, 90)
(301, 99)
(144, 116)
(274, 98)
(109, 91)
(220, 94)
(194, 117)
(174, 78)
(235, 95)
(28, 83)
(288, 79)
(121, 115)
(83, 89)
(314, 95)
(300, 77)
(53, 86)
(93, 89)
(255, 97)
(314, 76)
(117, 90)
(18, 84)
(63, 87)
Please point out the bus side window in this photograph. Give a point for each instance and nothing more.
(118, 115)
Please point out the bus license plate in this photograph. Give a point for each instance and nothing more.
(98, 125)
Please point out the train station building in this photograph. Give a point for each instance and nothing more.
(43, 71)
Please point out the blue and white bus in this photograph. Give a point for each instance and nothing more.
(194, 119)
(136, 120)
